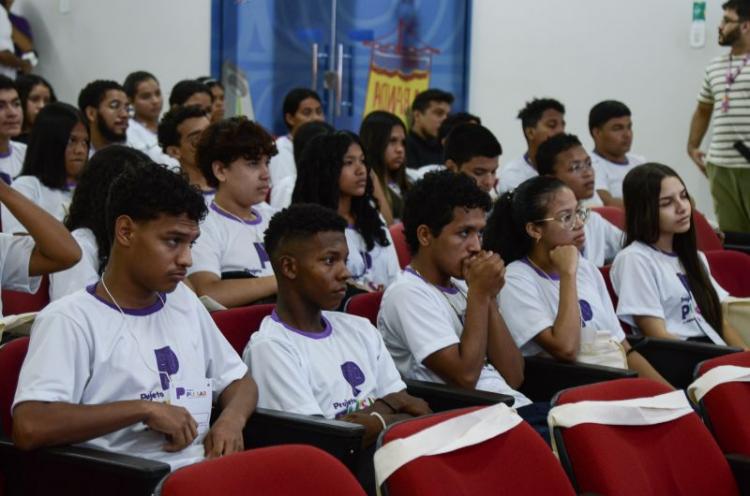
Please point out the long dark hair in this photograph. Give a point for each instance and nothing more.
(375, 133)
(25, 83)
(45, 155)
(506, 226)
(641, 189)
(318, 174)
(90, 195)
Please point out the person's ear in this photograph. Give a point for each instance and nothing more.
(596, 133)
(174, 152)
(534, 231)
(218, 169)
(288, 266)
(125, 228)
(424, 235)
(451, 165)
(90, 113)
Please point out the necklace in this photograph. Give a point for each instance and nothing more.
(442, 291)
(106, 290)
(730, 78)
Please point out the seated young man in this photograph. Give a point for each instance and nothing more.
(473, 150)
(563, 157)
(308, 359)
(440, 319)
(612, 129)
(108, 365)
(540, 119)
(428, 110)
(230, 262)
(191, 92)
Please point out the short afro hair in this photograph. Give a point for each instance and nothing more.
(547, 153)
(183, 90)
(227, 140)
(467, 141)
(93, 93)
(431, 201)
(602, 112)
(532, 112)
(146, 192)
(300, 221)
(168, 134)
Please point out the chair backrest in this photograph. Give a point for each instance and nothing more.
(605, 270)
(237, 324)
(516, 462)
(705, 234)
(725, 407)
(290, 469)
(614, 215)
(12, 354)
(365, 305)
(675, 457)
(731, 269)
(399, 242)
(15, 302)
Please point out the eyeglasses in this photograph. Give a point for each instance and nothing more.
(724, 21)
(116, 105)
(579, 168)
(568, 220)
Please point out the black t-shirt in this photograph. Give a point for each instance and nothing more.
(421, 152)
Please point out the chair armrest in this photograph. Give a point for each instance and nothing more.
(737, 241)
(341, 439)
(740, 465)
(78, 470)
(545, 377)
(442, 397)
(676, 360)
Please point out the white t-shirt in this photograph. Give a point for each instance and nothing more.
(282, 164)
(82, 274)
(142, 138)
(609, 175)
(15, 252)
(229, 244)
(208, 197)
(513, 173)
(12, 162)
(530, 300)
(84, 351)
(414, 175)
(417, 319)
(53, 201)
(652, 283)
(6, 42)
(373, 268)
(282, 191)
(338, 371)
(603, 240)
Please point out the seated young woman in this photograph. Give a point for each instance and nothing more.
(663, 282)
(554, 301)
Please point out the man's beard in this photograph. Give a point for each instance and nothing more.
(107, 133)
(729, 38)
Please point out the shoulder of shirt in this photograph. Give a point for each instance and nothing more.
(352, 321)
(406, 282)
(638, 159)
(18, 146)
(518, 268)
(719, 59)
(635, 249)
(85, 235)
(266, 210)
(516, 162)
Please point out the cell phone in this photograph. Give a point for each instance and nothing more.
(740, 146)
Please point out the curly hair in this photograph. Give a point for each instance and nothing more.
(506, 227)
(227, 140)
(144, 193)
(301, 220)
(532, 112)
(45, 155)
(93, 93)
(167, 134)
(431, 201)
(89, 198)
(318, 182)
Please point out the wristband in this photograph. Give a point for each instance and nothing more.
(379, 417)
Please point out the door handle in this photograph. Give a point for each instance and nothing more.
(314, 84)
(339, 77)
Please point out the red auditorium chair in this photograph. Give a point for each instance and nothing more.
(237, 324)
(515, 462)
(365, 305)
(67, 469)
(399, 242)
(15, 302)
(288, 470)
(725, 407)
(705, 234)
(615, 215)
(674, 457)
(731, 269)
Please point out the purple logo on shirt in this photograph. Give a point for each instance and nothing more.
(167, 364)
(684, 280)
(367, 259)
(586, 312)
(353, 375)
(262, 255)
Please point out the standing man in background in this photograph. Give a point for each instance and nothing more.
(726, 95)
(429, 110)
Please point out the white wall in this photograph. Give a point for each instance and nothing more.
(107, 39)
(585, 51)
